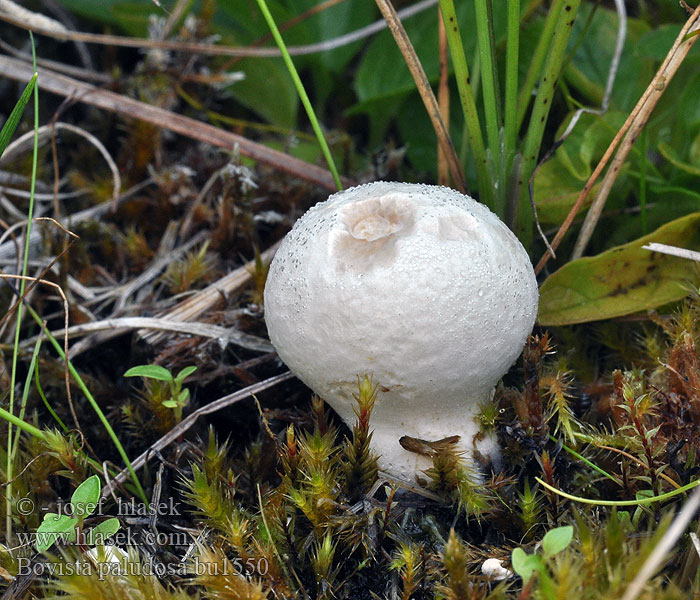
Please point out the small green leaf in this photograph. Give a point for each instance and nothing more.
(13, 120)
(53, 528)
(622, 280)
(525, 564)
(103, 531)
(557, 540)
(183, 398)
(151, 371)
(170, 404)
(186, 372)
(86, 497)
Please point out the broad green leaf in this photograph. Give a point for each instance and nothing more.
(557, 540)
(558, 182)
(622, 280)
(13, 120)
(556, 190)
(382, 71)
(335, 21)
(86, 497)
(102, 532)
(525, 564)
(151, 371)
(596, 49)
(170, 403)
(53, 528)
(268, 90)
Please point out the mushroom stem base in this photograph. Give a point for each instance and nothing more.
(409, 465)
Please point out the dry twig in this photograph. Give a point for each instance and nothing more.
(165, 119)
(209, 296)
(190, 420)
(426, 93)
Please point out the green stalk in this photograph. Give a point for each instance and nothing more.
(25, 394)
(585, 460)
(511, 107)
(46, 402)
(90, 398)
(22, 285)
(535, 69)
(301, 91)
(483, 34)
(466, 97)
(20, 424)
(39, 434)
(639, 502)
(540, 112)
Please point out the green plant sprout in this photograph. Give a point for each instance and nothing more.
(179, 397)
(526, 565)
(68, 528)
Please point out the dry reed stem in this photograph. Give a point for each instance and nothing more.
(426, 92)
(7, 249)
(443, 99)
(165, 119)
(667, 542)
(45, 132)
(673, 251)
(635, 122)
(120, 325)
(219, 50)
(209, 296)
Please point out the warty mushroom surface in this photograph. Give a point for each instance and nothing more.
(419, 286)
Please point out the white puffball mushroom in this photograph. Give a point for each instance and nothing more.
(419, 286)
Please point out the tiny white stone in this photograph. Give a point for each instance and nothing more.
(494, 569)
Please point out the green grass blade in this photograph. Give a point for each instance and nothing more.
(583, 459)
(25, 394)
(488, 83)
(46, 402)
(20, 424)
(535, 69)
(466, 97)
(512, 55)
(91, 399)
(13, 120)
(301, 91)
(540, 112)
(22, 284)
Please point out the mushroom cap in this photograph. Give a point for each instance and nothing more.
(418, 285)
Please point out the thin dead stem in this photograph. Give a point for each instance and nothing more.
(426, 93)
(218, 50)
(190, 420)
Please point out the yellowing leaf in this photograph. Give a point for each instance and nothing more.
(622, 280)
